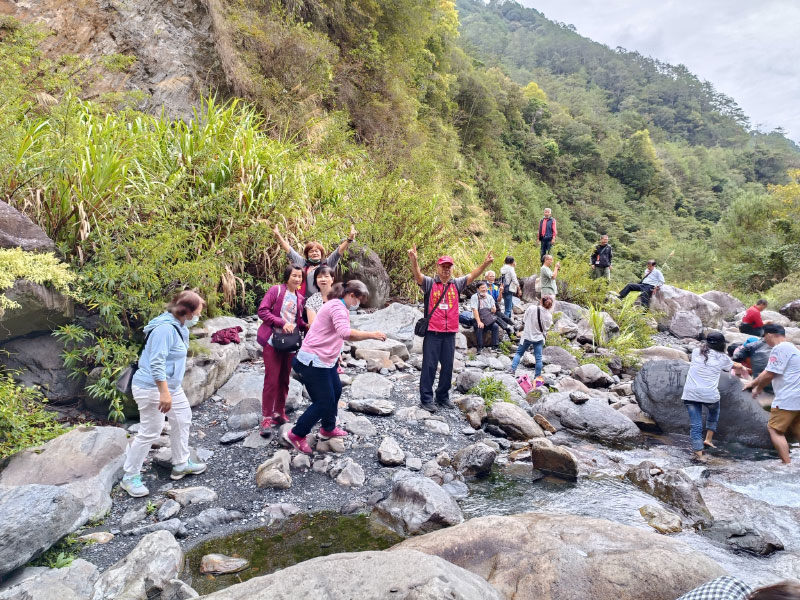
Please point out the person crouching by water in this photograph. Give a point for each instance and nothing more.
(157, 390)
(316, 362)
(701, 389)
(280, 310)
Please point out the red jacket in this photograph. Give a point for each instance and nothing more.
(547, 225)
(269, 311)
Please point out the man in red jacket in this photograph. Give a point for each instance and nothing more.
(547, 232)
(752, 324)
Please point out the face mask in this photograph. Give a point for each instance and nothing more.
(483, 294)
(314, 261)
(192, 322)
(355, 307)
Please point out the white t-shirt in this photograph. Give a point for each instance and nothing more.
(784, 361)
(703, 377)
(532, 331)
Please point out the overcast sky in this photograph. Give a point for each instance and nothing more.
(749, 50)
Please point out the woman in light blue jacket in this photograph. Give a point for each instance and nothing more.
(157, 390)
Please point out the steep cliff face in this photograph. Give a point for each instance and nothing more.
(172, 40)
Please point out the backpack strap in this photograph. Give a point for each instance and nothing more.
(539, 318)
(427, 297)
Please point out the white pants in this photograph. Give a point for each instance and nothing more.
(151, 423)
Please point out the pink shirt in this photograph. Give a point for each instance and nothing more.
(326, 336)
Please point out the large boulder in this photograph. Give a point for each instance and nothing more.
(661, 353)
(791, 310)
(563, 557)
(672, 487)
(371, 386)
(363, 264)
(592, 418)
(556, 461)
(18, 231)
(33, 518)
(86, 462)
(556, 355)
(515, 422)
(768, 315)
(475, 459)
(729, 304)
(390, 346)
(417, 505)
(41, 308)
(573, 311)
(530, 291)
(684, 324)
(400, 574)
(36, 361)
(73, 582)
(149, 567)
(592, 375)
(396, 321)
(671, 300)
(659, 385)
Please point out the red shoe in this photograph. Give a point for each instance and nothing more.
(297, 442)
(280, 418)
(326, 435)
(265, 429)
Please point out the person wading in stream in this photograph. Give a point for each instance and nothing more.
(316, 362)
(783, 372)
(439, 344)
(701, 389)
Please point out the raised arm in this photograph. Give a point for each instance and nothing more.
(350, 239)
(476, 272)
(555, 271)
(283, 243)
(412, 256)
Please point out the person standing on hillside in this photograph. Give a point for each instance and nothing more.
(547, 276)
(510, 284)
(439, 344)
(651, 281)
(783, 372)
(601, 259)
(752, 324)
(547, 233)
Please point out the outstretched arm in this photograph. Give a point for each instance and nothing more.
(759, 383)
(284, 244)
(350, 239)
(476, 272)
(412, 256)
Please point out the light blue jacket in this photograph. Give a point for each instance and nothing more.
(164, 354)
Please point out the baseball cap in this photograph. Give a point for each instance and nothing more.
(716, 341)
(445, 260)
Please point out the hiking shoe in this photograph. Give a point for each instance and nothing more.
(187, 468)
(324, 434)
(429, 406)
(280, 418)
(446, 403)
(265, 429)
(134, 486)
(297, 442)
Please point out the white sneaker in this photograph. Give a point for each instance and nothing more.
(187, 468)
(134, 486)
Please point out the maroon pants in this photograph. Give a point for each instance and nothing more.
(277, 369)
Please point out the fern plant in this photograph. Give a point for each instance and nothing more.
(491, 390)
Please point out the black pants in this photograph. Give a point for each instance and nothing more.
(480, 331)
(325, 389)
(645, 289)
(504, 322)
(750, 330)
(546, 243)
(437, 349)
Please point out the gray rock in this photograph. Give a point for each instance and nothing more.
(556, 355)
(475, 459)
(390, 454)
(18, 231)
(275, 472)
(660, 519)
(73, 582)
(256, 440)
(331, 445)
(513, 421)
(390, 346)
(41, 309)
(744, 538)
(357, 425)
(674, 488)
(414, 463)
(245, 414)
(173, 526)
(134, 515)
(436, 426)
(301, 461)
(594, 419)
(767, 315)
(359, 262)
(372, 406)
(417, 505)
(371, 386)
(220, 564)
(643, 421)
(33, 518)
(474, 409)
(231, 437)
(396, 320)
(659, 385)
(175, 589)
(457, 489)
(156, 560)
(553, 460)
(579, 397)
(163, 456)
(592, 375)
(468, 379)
(685, 325)
(400, 574)
(351, 474)
(169, 509)
(567, 327)
(192, 495)
(37, 361)
(729, 305)
(662, 353)
(213, 517)
(791, 310)
(671, 300)
(281, 511)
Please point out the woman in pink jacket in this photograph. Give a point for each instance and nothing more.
(281, 309)
(316, 362)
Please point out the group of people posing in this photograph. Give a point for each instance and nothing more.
(308, 301)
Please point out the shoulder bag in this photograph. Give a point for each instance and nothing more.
(125, 380)
(286, 342)
(421, 326)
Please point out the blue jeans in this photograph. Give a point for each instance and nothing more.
(537, 352)
(696, 421)
(508, 303)
(325, 389)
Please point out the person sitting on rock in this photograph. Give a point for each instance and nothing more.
(484, 310)
(601, 259)
(495, 289)
(651, 281)
(323, 280)
(157, 388)
(752, 324)
(316, 362)
(548, 276)
(538, 319)
(280, 310)
(508, 275)
(783, 372)
(701, 389)
(439, 344)
(313, 256)
(496, 292)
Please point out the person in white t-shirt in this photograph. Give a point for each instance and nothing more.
(701, 389)
(783, 372)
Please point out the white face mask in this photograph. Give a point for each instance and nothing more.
(192, 322)
(354, 307)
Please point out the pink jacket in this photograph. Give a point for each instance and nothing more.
(269, 311)
(328, 331)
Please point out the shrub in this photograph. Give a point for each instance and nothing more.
(24, 422)
(491, 390)
(40, 268)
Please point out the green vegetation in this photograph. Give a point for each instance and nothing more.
(24, 422)
(61, 554)
(505, 347)
(40, 268)
(491, 390)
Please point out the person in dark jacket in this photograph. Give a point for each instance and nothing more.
(601, 259)
(757, 351)
(547, 233)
